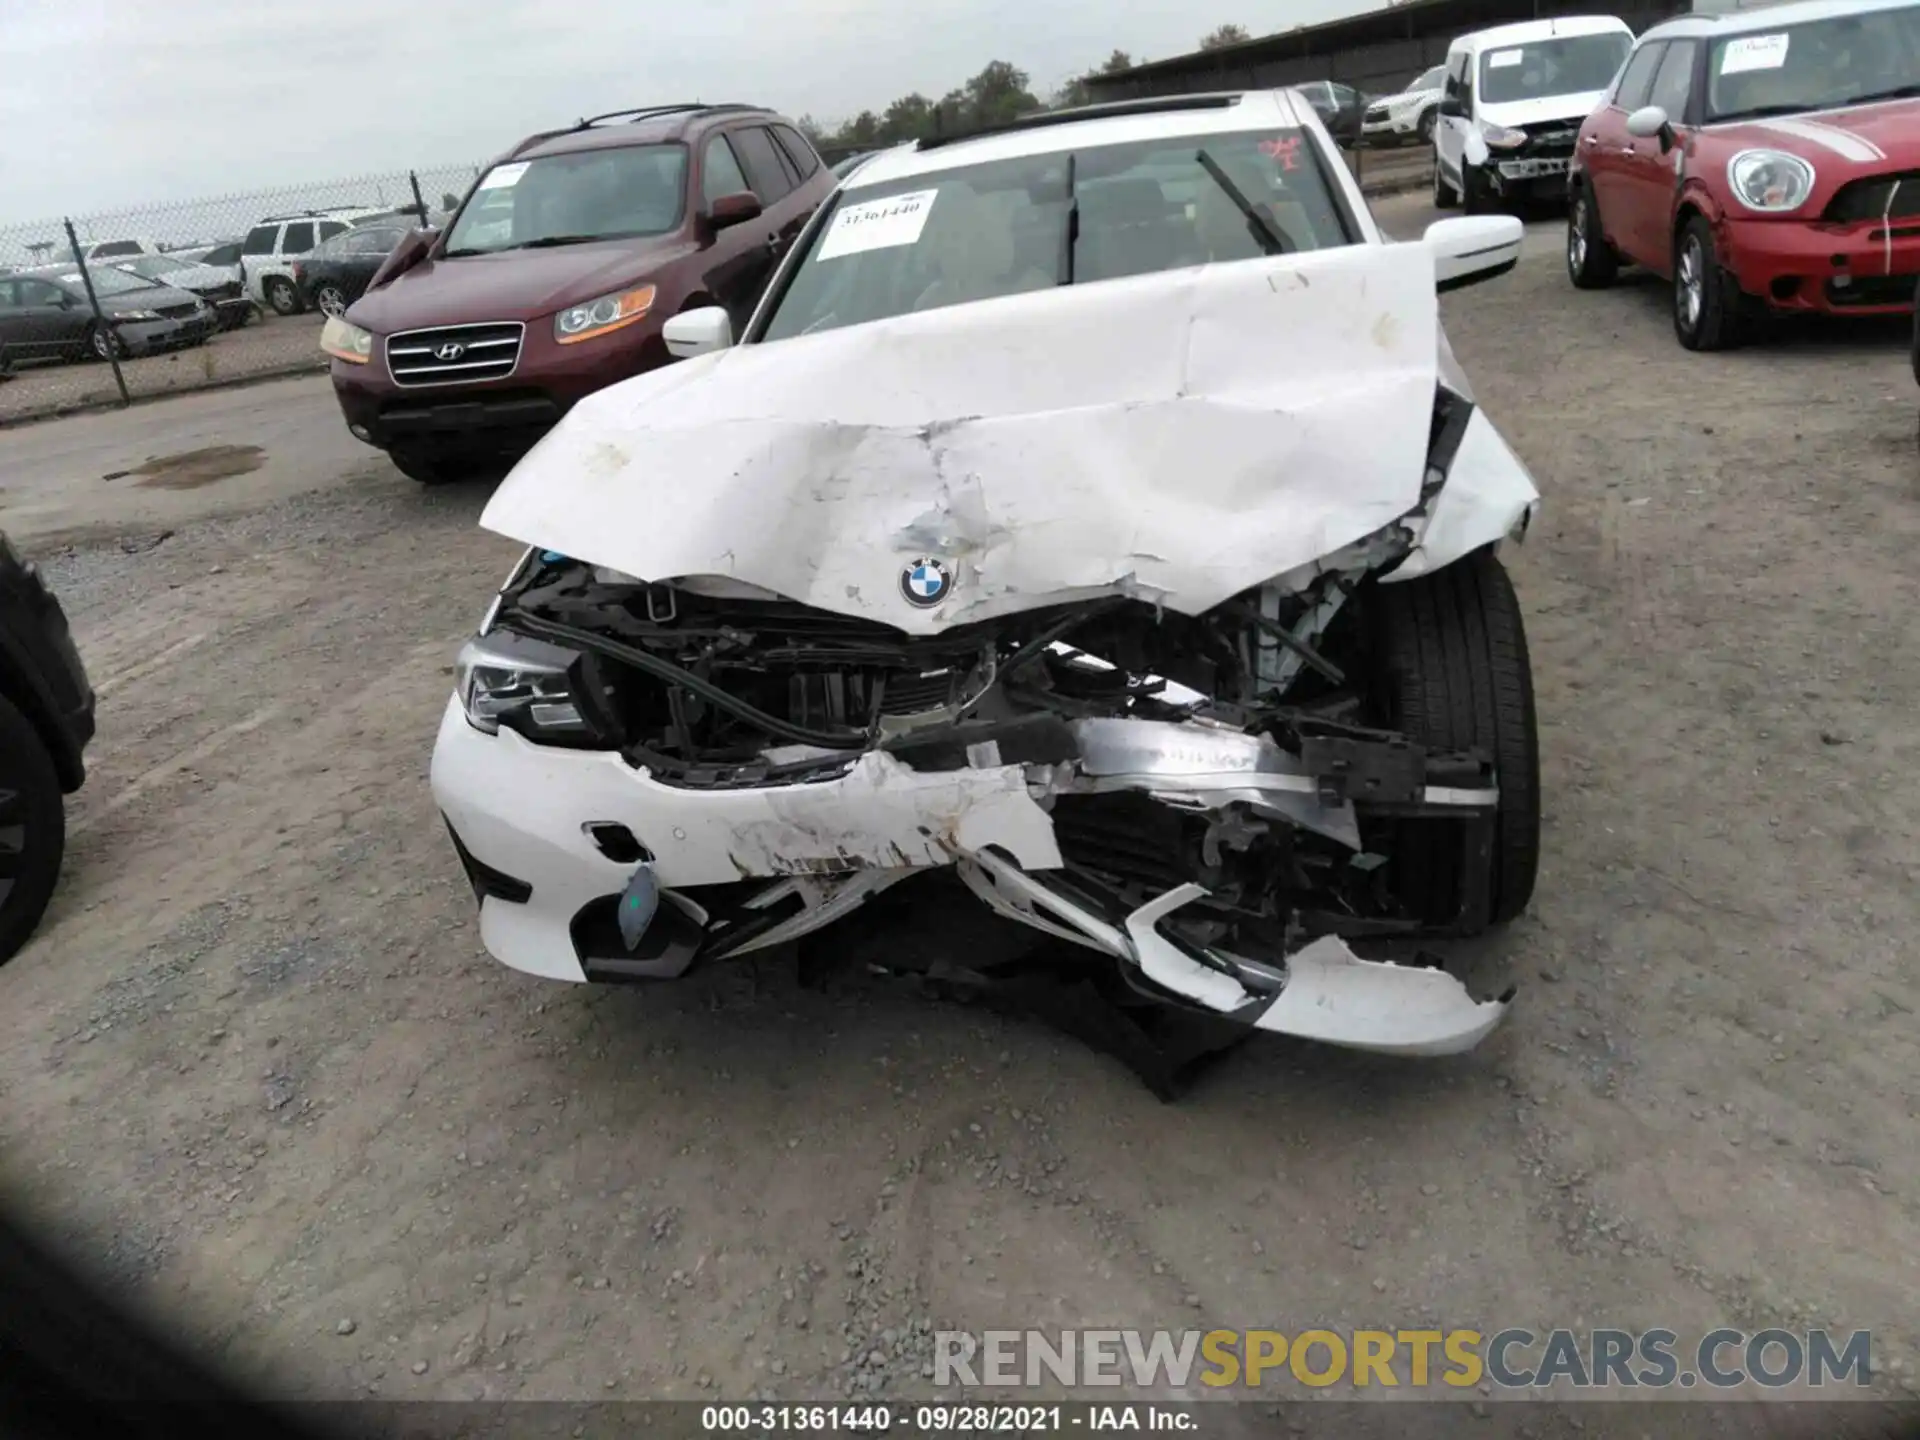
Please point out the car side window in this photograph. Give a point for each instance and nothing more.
(331, 228)
(299, 238)
(805, 161)
(7, 301)
(116, 247)
(765, 173)
(720, 173)
(1673, 82)
(37, 292)
(1637, 79)
(260, 240)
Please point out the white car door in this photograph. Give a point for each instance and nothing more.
(1450, 131)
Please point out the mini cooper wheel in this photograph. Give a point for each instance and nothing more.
(1591, 262)
(1709, 312)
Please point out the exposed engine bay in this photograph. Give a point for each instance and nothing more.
(1228, 807)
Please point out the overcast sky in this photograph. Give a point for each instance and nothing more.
(109, 104)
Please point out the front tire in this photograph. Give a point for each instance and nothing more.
(1423, 128)
(1592, 264)
(330, 300)
(1451, 672)
(1476, 197)
(1444, 195)
(103, 344)
(1709, 312)
(33, 829)
(282, 298)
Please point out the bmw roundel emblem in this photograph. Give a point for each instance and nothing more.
(926, 582)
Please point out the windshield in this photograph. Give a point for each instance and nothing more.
(566, 199)
(1571, 65)
(1816, 66)
(985, 231)
(107, 280)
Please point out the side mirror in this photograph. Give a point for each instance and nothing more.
(1450, 105)
(1473, 248)
(1649, 121)
(698, 332)
(733, 209)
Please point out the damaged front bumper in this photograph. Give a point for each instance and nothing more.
(551, 838)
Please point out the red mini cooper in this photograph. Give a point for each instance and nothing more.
(1764, 160)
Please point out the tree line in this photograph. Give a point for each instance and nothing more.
(1001, 92)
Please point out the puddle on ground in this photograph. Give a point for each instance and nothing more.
(191, 469)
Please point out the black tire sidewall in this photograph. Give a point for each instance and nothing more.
(278, 286)
(1423, 127)
(1601, 265)
(26, 764)
(1449, 667)
(1722, 323)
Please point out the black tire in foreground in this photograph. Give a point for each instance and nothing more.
(1592, 264)
(1476, 194)
(1445, 197)
(1709, 312)
(33, 829)
(1451, 671)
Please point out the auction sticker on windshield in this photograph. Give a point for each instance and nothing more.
(1754, 52)
(1503, 59)
(503, 176)
(878, 224)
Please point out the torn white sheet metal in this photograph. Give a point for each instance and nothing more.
(1334, 996)
(1487, 494)
(1180, 436)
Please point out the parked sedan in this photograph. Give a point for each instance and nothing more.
(44, 315)
(218, 286)
(334, 274)
(46, 720)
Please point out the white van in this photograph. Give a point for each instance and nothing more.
(1512, 104)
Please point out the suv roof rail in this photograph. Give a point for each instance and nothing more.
(331, 211)
(1216, 100)
(653, 112)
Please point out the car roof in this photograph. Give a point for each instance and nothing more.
(1767, 17)
(670, 123)
(1244, 111)
(1521, 32)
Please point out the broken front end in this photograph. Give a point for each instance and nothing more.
(644, 777)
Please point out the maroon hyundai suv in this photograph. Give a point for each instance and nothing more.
(558, 270)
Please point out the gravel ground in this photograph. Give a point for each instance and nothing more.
(258, 1068)
(269, 344)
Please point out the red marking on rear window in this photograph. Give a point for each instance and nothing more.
(1286, 151)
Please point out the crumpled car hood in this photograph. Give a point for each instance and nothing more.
(1179, 437)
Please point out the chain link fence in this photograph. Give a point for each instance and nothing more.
(109, 308)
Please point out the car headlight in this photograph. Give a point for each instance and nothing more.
(134, 317)
(534, 688)
(597, 317)
(1501, 137)
(346, 342)
(1770, 180)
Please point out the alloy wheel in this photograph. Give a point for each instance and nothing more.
(1690, 284)
(1577, 236)
(103, 345)
(331, 301)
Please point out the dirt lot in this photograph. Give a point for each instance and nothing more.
(269, 344)
(258, 1066)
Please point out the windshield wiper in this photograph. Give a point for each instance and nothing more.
(1260, 225)
(1760, 112)
(548, 242)
(1897, 92)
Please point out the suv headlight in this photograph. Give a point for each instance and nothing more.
(1770, 180)
(538, 690)
(598, 317)
(346, 342)
(1501, 137)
